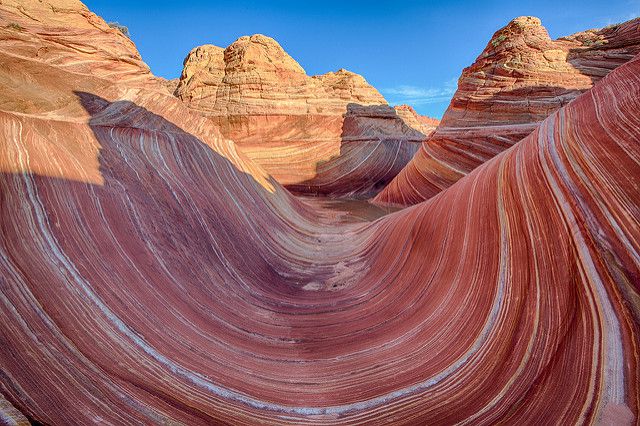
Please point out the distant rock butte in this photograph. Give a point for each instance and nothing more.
(330, 134)
(424, 124)
(520, 78)
(255, 76)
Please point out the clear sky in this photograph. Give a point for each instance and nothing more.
(412, 51)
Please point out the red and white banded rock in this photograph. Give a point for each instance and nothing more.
(151, 273)
(520, 78)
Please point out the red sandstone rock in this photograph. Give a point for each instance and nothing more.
(150, 273)
(329, 134)
(520, 78)
(426, 125)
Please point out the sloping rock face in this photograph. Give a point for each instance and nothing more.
(171, 85)
(151, 273)
(327, 134)
(426, 125)
(520, 78)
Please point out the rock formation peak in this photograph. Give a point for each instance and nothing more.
(520, 78)
(521, 43)
(259, 52)
(425, 124)
(525, 22)
(204, 52)
(328, 133)
(254, 65)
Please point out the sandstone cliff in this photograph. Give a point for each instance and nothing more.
(329, 134)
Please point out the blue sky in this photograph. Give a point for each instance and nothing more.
(412, 51)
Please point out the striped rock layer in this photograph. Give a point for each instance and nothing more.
(520, 78)
(151, 273)
(327, 134)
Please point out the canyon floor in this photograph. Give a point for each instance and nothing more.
(254, 245)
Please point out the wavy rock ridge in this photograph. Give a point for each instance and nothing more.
(520, 78)
(151, 273)
(328, 134)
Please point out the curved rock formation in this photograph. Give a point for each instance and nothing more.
(520, 78)
(151, 273)
(327, 134)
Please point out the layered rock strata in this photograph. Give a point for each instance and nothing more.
(520, 78)
(331, 134)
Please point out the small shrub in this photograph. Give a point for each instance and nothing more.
(594, 43)
(123, 29)
(498, 40)
(14, 26)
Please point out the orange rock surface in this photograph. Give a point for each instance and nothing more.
(520, 78)
(326, 134)
(426, 125)
(151, 273)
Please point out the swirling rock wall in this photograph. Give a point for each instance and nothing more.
(520, 78)
(151, 273)
(326, 134)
